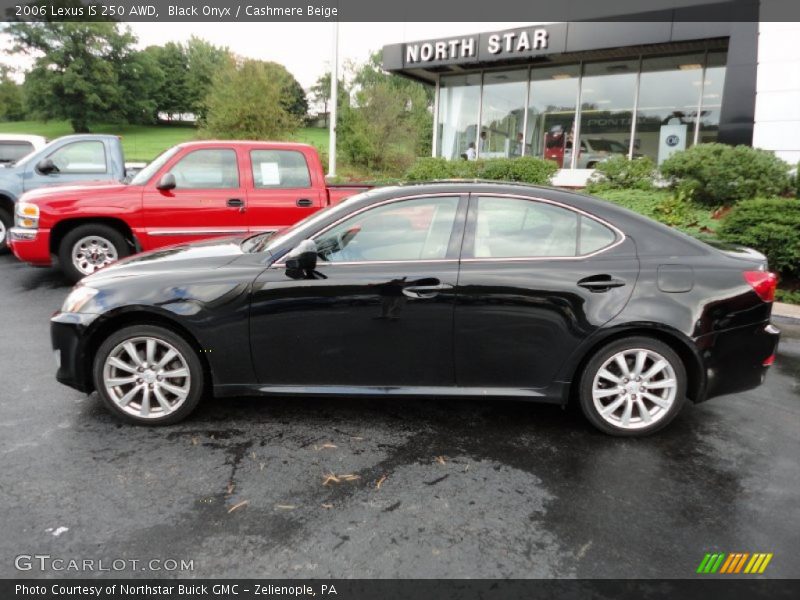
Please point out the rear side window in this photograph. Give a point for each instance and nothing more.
(80, 157)
(13, 151)
(208, 169)
(520, 228)
(279, 169)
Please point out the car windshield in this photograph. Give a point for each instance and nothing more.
(270, 241)
(145, 174)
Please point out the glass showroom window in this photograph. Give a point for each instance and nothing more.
(711, 100)
(669, 98)
(502, 114)
(459, 99)
(551, 112)
(607, 105)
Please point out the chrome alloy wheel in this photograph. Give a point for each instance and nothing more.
(3, 232)
(93, 252)
(635, 388)
(147, 377)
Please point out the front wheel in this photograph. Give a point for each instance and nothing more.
(90, 247)
(148, 375)
(633, 387)
(6, 222)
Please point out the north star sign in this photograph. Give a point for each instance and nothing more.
(521, 42)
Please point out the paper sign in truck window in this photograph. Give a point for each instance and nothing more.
(270, 174)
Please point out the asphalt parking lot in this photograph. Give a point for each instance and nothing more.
(436, 488)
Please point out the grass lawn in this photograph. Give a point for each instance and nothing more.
(142, 143)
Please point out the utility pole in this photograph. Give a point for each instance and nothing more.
(334, 102)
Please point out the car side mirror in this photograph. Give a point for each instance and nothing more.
(46, 166)
(167, 182)
(302, 257)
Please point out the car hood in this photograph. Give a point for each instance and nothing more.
(206, 255)
(64, 189)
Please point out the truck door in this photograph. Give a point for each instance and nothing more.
(281, 189)
(77, 161)
(207, 201)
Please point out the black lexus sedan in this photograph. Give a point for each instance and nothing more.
(444, 289)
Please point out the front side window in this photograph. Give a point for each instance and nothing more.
(279, 169)
(519, 228)
(80, 157)
(416, 229)
(209, 169)
(12, 151)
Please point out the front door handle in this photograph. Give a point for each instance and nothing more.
(235, 202)
(304, 203)
(600, 283)
(425, 291)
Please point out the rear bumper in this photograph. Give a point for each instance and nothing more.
(738, 359)
(30, 245)
(67, 334)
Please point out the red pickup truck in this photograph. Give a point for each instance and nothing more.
(190, 192)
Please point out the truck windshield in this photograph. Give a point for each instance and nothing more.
(145, 174)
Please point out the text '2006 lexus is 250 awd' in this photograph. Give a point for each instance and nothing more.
(438, 290)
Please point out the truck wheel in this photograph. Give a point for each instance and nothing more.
(90, 247)
(6, 222)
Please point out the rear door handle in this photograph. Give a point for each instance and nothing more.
(304, 203)
(600, 283)
(426, 291)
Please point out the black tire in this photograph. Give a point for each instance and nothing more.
(6, 223)
(663, 416)
(195, 382)
(90, 230)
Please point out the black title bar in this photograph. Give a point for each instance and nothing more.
(534, 11)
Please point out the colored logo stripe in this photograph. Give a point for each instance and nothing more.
(734, 562)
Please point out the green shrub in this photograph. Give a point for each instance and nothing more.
(788, 296)
(619, 173)
(771, 226)
(675, 210)
(525, 169)
(718, 174)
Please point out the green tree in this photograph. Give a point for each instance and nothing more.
(203, 60)
(11, 98)
(248, 100)
(141, 78)
(390, 121)
(296, 101)
(76, 73)
(171, 94)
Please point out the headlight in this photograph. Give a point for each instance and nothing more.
(78, 298)
(27, 215)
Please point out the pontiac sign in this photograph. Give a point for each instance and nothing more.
(522, 43)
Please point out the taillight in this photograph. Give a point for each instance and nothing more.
(763, 283)
(769, 360)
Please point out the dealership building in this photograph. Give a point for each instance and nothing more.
(638, 88)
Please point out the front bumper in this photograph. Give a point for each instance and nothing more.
(68, 337)
(30, 245)
(738, 359)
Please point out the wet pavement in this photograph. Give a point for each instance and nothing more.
(438, 488)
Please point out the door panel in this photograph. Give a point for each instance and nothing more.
(518, 319)
(281, 191)
(360, 325)
(208, 201)
(378, 310)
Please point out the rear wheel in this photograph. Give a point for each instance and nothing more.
(6, 222)
(148, 375)
(633, 387)
(90, 247)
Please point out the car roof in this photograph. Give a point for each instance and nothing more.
(286, 145)
(19, 137)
